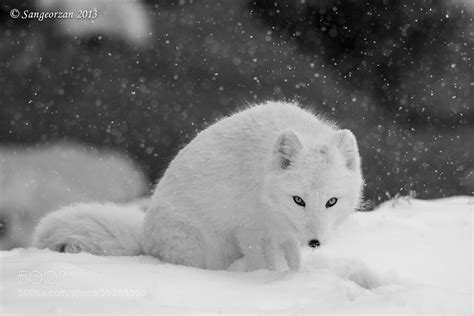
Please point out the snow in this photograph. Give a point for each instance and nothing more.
(39, 179)
(406, 256)
(125, 19)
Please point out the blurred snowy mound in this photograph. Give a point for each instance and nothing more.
(408, 256)
(36, 181)
(123, 19)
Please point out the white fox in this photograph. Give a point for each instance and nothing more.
(258, 184)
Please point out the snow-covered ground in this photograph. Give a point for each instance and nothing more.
(407, 256)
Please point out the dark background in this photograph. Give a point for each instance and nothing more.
(397, 73)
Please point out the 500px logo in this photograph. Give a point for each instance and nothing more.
(37, 277)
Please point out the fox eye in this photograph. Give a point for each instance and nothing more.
(331, 202)
(299, 201)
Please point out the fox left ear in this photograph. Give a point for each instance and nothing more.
(347, 143)
(286, 149)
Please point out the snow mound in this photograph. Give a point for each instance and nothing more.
(407, 256)
(124, 19)
(39, 179)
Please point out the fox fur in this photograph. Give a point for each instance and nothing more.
(259, 184)
(100, 229)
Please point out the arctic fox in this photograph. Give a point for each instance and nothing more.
(259, 184)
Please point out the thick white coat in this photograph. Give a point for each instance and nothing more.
(229, 192)
(101, 229)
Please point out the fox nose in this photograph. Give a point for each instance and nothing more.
(313, 243)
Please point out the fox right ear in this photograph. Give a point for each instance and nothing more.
(347, 143)
(286, 149)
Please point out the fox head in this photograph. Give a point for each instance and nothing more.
(313, 183)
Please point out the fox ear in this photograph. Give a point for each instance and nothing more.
(286, 149)
(347, 144)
